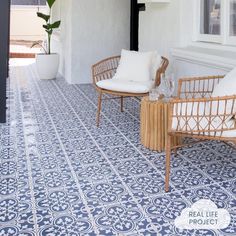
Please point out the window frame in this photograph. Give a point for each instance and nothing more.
(231, 40)
(224, 38)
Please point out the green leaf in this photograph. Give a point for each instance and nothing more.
(52, 26)
(55, 25)
(47, 27)
(43, 16)
(50, 3)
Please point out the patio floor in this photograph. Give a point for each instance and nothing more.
(61, 175)
(22, 49)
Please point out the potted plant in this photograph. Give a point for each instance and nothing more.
(47, 63)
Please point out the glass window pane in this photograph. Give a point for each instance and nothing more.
(210, 17)
(233, 18)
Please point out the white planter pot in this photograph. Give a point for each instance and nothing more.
(47, 65)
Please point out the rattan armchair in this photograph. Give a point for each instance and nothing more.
(197, 115)
(106, 69)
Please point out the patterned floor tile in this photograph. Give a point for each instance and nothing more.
(219, 171)
(61, 175)
(221, 197)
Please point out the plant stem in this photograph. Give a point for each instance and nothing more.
(49, 35)
(49, 43)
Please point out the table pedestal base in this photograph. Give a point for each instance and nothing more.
(154, 125)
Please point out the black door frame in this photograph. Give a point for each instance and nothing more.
(134, 24)
(4, 54)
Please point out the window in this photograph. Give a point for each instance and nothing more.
(210, 17)
(216, 21)
(233, 18)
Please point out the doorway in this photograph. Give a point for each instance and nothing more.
(134, 24)
(26, 28)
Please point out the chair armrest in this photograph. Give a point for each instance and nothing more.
(105, 69)
(202, 116)
(197, 87)
(161, 70)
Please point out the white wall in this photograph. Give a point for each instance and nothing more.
(160, 27)
(25, 25)
(164, 26)
(62, 39)
(187, 14)
(91, 30)
(184, 68)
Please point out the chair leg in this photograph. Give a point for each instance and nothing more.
(175, 151)
(122, 104)
(99, 108)
(168, 157)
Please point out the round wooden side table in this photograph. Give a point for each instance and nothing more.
(154, 124)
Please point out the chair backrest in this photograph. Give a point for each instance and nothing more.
(106, 69)
(161, 69)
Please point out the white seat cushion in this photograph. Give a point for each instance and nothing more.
(196, 123)
(189, 109)
(135, 66)
(120, 85)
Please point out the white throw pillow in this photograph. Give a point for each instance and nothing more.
(135, 66)
(227, 86)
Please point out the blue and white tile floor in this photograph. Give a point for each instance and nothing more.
(61, 175)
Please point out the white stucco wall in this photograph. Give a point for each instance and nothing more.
(159, 27)
(62, 39)
(166, 25)
(91, 30)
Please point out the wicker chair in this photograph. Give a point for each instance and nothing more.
(106, 69)
(197, 115)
